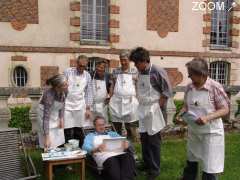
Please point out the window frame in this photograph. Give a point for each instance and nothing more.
(218, 19)
(14, 78)
(93, 40)
(217, 71)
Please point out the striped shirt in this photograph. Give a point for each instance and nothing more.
(218, 97)
(47, 100)
(88, 89)
(119, 70)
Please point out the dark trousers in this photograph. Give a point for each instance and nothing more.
(74, 133)
(191, 170)
(131, 130)
(121, 167)
(151, 146)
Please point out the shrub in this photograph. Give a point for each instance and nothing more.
(20, 118)
(237, 113)
(178, 105)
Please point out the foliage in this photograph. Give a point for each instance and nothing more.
(20, 118)
(179, 105)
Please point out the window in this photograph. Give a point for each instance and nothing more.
(219, 71)
(220, 37)
(92, 64)
(94, 20)
(20, 77)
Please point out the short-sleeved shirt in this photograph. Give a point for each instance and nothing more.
(218, 97)
(106, 78)
(88, 90)
(88, 141)
(159, 80)
(47, 100)
(119, 70)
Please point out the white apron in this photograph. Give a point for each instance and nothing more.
(75, 107)
(150, 115)
(56, 134)
(205, 143)
(124, 102)
(99, 96)
(101, 157)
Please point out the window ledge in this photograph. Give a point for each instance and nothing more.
(213, 47)
(95, 43)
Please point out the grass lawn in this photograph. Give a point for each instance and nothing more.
(173, 158)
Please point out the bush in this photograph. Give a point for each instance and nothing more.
(20, 118)
(237, 114)
(178, 105)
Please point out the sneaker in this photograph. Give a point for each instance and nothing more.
(152, 176)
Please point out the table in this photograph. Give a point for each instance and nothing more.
(76, 160)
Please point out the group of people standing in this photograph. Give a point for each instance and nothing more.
(134, 98)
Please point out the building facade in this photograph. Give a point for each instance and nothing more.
(39, 38)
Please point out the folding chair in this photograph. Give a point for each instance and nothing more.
(14, 162)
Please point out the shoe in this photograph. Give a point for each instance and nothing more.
(152, 176)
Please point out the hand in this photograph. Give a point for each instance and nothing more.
(47, 142)
(202, 120)
(125, 144)
(107, 101)
(88, 114)
(61, 124)
(162, 101)
(101, 147)
(180, 121)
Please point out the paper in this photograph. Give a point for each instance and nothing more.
(189, 117)
(114, 144)
(62, 155)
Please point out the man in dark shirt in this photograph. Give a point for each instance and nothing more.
(100, 85)
(153, 91)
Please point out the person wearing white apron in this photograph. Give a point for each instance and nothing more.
(100, 84)
(153, 90)
(115, 165)
(123, 103)
(207, 101)
(50, 113)
(78, 101)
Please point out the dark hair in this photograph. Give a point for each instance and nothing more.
(100, 61)
(198, 66)
(56, 80)
(139, 54)
(97, 118)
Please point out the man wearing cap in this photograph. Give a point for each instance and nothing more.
(123, 103)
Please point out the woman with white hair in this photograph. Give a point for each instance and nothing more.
(51, 111)
(205, 103)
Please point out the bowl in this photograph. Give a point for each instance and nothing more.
(74, 143)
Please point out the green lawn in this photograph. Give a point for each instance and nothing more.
(173, 158)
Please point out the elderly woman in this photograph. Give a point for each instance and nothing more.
(205, 103)
(51, 111)
(119, 165)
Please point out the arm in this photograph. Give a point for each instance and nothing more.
(88, 92)
(88, 143)
(222, 104)
(112, 81)
(47, 102)
(61, 115)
